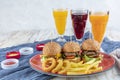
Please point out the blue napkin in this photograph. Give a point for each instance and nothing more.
(25, 72)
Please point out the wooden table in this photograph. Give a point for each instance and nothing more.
(20, 37)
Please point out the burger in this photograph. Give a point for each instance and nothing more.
(90, 48)
(51, 49)
(71, 51)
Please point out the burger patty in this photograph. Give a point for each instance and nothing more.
(90, 53)
(71, 53)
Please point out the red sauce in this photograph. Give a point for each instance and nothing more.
(39, 47)
(13, 54)
(9, 63)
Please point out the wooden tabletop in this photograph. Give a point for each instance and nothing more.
(19, 37)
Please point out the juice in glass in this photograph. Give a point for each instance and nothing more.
(79, 18)
(99, 22)
(60, 17)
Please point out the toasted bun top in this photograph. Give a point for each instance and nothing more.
(90, 44)
(71, 47)
(51, 48)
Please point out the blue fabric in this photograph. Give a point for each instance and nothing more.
(25, 72)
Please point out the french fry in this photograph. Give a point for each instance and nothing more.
(84, 68)
(95, 66)
(91, 61)
(66, 66)
(81, 62)
(74, 65)
(95, 70)
(95, 63)
(83, 65)
(99, 69)
(76, 69)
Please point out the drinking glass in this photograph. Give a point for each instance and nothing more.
(60, 18)
(98, 20)
(79, 18)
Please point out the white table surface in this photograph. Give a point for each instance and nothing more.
(20, 37)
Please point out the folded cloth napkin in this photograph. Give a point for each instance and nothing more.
(24, 71)
(116, 55)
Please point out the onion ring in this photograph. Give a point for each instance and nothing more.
(51, 66)
(66, 65)
(59, 66)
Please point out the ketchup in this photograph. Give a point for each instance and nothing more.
(9, 63)
(39, 47)
(13, 54)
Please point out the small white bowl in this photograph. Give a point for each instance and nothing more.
(10, 66)
(26, 50)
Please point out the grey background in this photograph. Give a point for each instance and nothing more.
(37, 14)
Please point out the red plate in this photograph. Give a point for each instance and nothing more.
(107, 63)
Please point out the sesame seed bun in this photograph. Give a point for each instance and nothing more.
(90, 44)
(71, 47)
(51, 49)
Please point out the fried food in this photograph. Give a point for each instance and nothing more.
(61, 66)
(66, 66)
(72, 59)
(78, 69)
(58, 66)
(49, 64)
(92, 65)
(94, 70)
(74, 65)
(83, 68)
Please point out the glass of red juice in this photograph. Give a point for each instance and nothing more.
(79, 18)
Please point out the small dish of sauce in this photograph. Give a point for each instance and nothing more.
(10, 63)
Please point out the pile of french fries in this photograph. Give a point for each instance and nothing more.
(84, 68)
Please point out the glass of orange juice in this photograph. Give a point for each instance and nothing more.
(98, 20)
(60, 18)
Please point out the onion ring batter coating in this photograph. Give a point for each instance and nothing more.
(66, 65)
(58, 66)
(49, 68)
